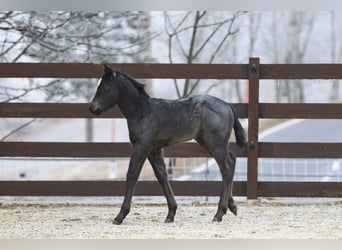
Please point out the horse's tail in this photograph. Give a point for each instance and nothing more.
(240, 134)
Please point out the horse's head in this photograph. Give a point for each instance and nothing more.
(107, 93)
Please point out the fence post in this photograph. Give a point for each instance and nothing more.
(253, 129)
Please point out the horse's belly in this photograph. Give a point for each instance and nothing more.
(184, 134)
(176, 135)
(180, 127)
(182, 138)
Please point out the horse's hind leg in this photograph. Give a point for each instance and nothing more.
(231, 205)
(158, 165)
(226, 163)
(227, 167)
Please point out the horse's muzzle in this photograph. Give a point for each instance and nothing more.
(94, 110)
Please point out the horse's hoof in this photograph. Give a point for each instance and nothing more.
(168, 220)
(233, 209)
(215, 219)
(115, 222)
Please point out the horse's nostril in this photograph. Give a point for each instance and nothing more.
(95, 111)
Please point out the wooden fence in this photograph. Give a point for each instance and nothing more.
(254, 110)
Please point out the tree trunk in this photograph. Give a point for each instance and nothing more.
(89, 130)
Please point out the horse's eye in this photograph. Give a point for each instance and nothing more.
(104, 87)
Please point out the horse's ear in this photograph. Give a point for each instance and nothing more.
(107, 69)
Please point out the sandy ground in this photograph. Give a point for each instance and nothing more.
(257, 219)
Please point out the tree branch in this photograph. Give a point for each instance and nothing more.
(17, 129)
(27, 91)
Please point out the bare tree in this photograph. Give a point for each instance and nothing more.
(254, 30)
(79, 36)
(300, 26)
(254, 24)
(64, 36)
(198, 37)
(334, 55)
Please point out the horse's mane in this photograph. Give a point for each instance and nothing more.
(139, 86)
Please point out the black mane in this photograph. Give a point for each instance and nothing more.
(139, 86)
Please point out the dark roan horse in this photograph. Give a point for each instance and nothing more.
(157, 123)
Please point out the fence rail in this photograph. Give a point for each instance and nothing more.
(254, 110)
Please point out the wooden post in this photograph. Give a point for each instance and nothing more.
(253, 129)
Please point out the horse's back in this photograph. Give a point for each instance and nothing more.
(195, 108)
(185, 119)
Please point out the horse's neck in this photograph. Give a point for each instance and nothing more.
(131, 103)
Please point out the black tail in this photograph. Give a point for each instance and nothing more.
(240, 134)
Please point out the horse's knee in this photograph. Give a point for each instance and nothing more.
(228, 173)
(231, 155)
(131, 177)
(232, 158)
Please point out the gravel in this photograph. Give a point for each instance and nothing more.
(257, 219)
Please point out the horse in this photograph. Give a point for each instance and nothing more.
(155, 123)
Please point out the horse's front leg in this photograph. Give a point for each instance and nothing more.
(157, 161)
(138, 157)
